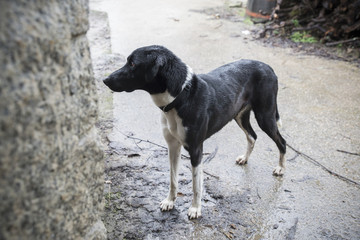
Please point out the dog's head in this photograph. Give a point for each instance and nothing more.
(140, 71)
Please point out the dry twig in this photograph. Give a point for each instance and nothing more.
(312, 160)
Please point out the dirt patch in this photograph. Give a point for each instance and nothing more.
(136, 185)
(348, 53)
(276, 37)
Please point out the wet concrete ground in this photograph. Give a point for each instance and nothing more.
(318, 101)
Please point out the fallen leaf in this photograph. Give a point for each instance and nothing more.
(180, 194)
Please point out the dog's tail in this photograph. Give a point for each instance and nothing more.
(278, 119)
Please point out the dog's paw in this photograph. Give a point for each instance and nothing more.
(166, 205)
(241, 160)
(194, 212)
(279, 171)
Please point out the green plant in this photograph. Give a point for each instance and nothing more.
(248, 21)
(296, 22)
(303, 37)
(241, 12)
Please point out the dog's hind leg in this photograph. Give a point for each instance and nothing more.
(267, 122)
(243, 120)
(174, 147)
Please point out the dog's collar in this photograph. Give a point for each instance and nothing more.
(171, 105)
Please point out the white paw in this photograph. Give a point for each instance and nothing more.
(166, 205)
(279, 171)
(241, 160)
(194, 212)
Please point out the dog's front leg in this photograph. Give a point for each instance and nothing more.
(197, 178)
(174, 152)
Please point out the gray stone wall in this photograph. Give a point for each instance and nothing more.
(51, 168)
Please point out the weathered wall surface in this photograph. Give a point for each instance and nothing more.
(51, 169)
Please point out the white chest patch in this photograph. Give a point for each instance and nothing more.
(170, 120)
(173, 123)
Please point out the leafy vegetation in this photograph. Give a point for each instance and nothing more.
(303, 37)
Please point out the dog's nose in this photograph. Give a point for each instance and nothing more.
(106, 81)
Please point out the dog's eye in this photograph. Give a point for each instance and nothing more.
(132, 64)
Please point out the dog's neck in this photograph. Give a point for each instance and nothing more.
(172, 91)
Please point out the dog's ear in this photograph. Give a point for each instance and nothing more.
(153, 71)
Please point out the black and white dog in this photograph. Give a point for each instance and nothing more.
(194, 107)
